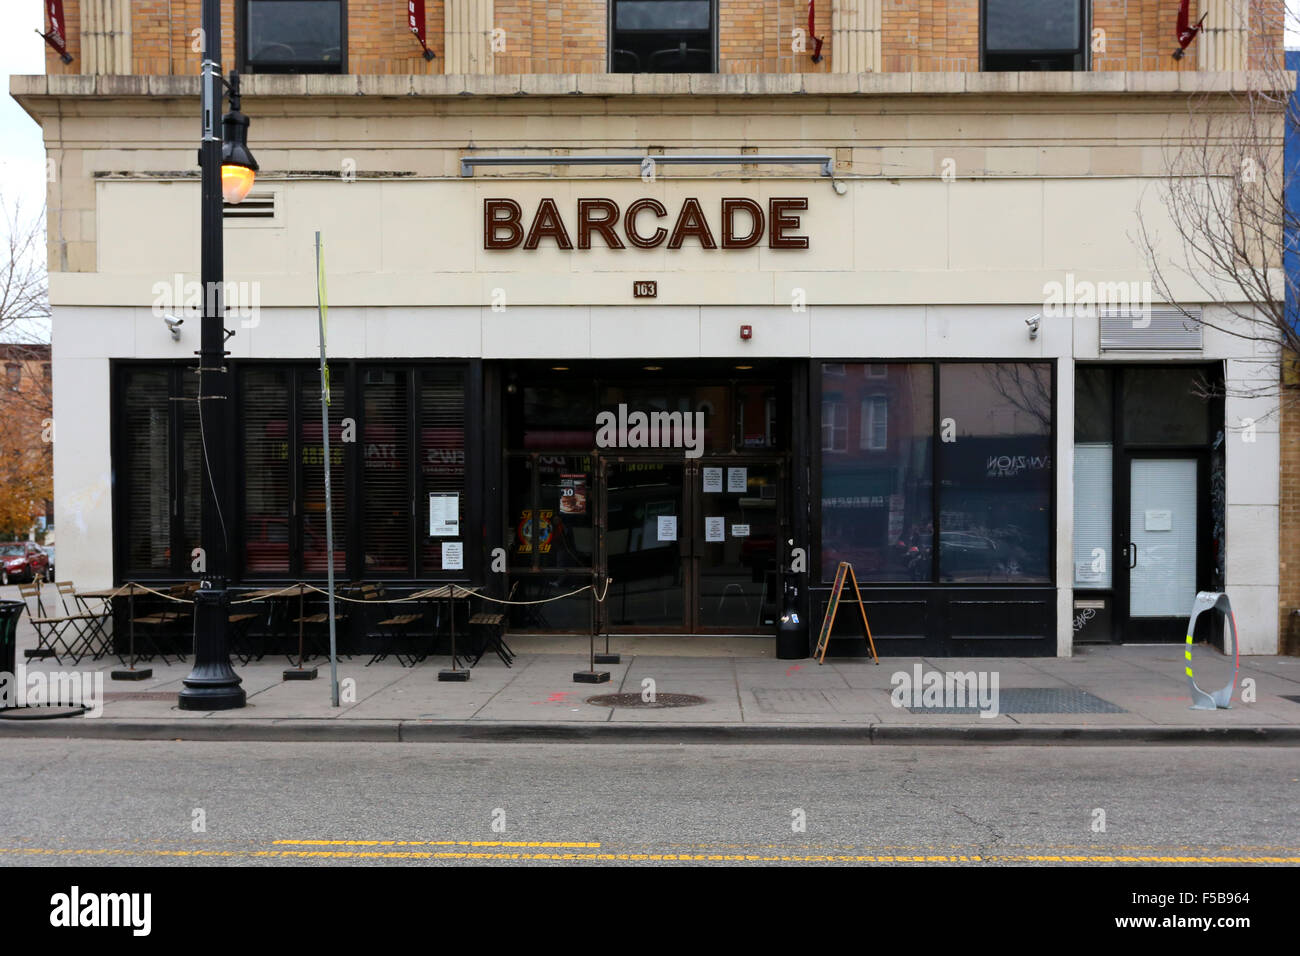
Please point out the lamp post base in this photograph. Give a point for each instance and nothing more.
(213, 683)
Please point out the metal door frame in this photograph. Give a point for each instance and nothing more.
(689, 531)
(1157, 630)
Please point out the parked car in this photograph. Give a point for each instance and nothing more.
(49, 553)
(22, 561)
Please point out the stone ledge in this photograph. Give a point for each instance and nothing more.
(660, 84)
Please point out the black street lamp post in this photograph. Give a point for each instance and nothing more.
(213, 683)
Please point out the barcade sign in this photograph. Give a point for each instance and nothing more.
(739, 224)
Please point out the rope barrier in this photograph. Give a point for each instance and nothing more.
(295, 589)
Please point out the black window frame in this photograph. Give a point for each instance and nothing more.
(300, 67)
(302, 375)
(179, 566)
(992, 60)
(612, 29)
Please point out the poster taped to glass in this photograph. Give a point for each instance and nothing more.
(444, 516)
(573, 494)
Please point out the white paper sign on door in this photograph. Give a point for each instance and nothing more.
(715, 529)
(1159, 519)
(713, 481)
(453, 556)
(444, 516)
(737, 480)
(740, 531)
(668, 527)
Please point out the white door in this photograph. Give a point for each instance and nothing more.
(1162, 537)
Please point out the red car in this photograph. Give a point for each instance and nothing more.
(22, 561)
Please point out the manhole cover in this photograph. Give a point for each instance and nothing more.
(1036, 700)
(140, 695)
(635, 700)
(42, 712)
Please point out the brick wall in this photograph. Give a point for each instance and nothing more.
(551, 37)
(1288, 596)
(757, 36)
(930, 36)
(570, 36)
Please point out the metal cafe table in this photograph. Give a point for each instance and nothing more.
(129, 591)
(449, 593)
(289, 590)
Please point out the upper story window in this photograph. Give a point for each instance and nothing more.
(662, 36)
(293, 36)
(1033, 35)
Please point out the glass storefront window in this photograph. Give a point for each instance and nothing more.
(264, 414)
(147, 445)
(995, 489)
(876, 470)
(1166, 406)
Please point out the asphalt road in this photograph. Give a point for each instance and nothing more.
(81, 803)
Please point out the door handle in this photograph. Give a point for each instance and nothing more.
(1133, 556)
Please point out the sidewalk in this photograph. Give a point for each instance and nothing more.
(746, 696)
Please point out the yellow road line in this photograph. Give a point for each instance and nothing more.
(482, 843)
(645, 857)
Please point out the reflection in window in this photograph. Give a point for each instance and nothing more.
(835, 423)
(294, 36)
(873, 434)
(662, 36)
(995, 492)
(875, 507)
(1033, 35)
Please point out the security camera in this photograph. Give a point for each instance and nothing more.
(1033, 322)
(174, 326)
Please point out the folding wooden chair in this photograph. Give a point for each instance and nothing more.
(317, 629)
(489, 630)
(95, 636)
(158, 623)
(31, 595)
(395, 630)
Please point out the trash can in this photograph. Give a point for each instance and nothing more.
(10, 612)
(792, 629)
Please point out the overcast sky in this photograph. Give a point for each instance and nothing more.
(22, 156)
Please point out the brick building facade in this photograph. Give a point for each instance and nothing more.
(156, 37)
(944, 198)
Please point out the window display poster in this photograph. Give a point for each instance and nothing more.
(713, 481)
(715, 529)
(444, 516)
(573, 494)
(453, 556)
(737, 480)
(668, 527)
(740, 531)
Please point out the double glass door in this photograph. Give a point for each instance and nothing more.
(691, 545)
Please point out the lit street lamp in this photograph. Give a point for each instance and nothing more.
(227, 171)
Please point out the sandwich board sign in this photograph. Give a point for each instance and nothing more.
(843, 572)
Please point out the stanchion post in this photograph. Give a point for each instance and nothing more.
(591, 675)
(606, 657)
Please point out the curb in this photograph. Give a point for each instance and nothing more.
(334, 730)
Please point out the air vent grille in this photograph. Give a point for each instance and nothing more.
(254, 206)
(1153, 330)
